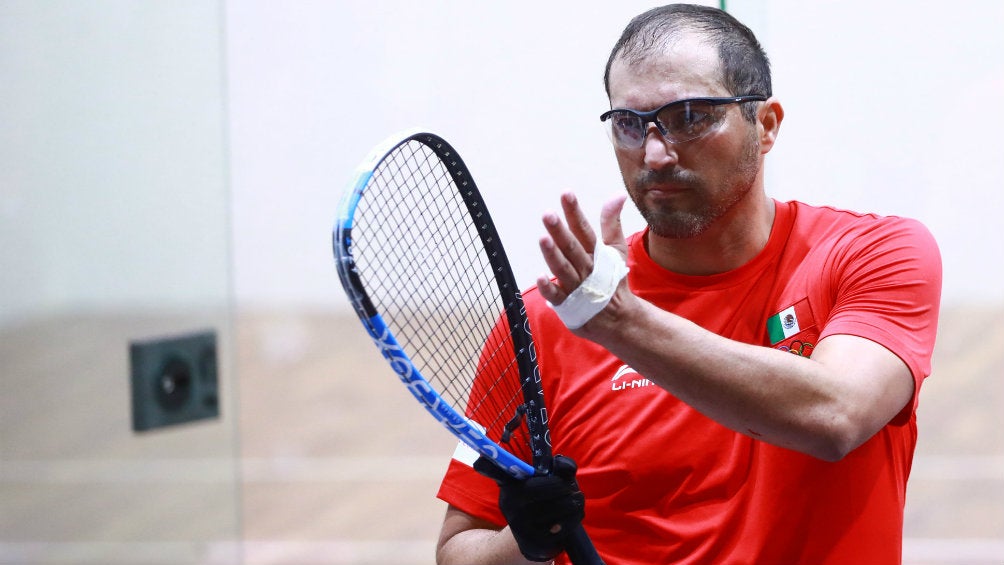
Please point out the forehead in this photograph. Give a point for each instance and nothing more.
(685, 68)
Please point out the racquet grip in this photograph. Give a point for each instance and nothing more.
(580, 548)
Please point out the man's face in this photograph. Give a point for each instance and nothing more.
(681, 189)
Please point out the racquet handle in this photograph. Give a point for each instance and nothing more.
(580, 549)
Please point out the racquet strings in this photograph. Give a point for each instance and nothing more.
(420, 258)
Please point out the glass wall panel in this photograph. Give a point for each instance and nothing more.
(114, 223)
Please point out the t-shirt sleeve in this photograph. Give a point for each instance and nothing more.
(888, 290)
(471, 492)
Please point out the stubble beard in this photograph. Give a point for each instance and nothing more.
(675, 222)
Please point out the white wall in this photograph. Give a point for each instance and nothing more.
(113, 164)
(113, 187)
(515, 87)
(891, 108)
(897, 108)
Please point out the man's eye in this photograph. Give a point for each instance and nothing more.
(626, 121)
(688, 120)
(627, 124)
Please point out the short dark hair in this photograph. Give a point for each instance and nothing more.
(744, 64)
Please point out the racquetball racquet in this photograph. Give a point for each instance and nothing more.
(421, 262)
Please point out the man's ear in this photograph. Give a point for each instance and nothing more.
(769, 123)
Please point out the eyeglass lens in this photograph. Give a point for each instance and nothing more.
(681, 122)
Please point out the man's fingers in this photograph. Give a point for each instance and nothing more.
(577, 222)
(550, 291)
(567, 277)
(568, 248)
(610, 223)
(564, 253)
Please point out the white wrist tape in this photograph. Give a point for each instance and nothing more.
(595, 292)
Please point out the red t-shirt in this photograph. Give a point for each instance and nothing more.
(665, 484)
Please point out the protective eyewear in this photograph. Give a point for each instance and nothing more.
(679, 121)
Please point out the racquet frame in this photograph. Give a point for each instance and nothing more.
(519, 329)
(580, 549)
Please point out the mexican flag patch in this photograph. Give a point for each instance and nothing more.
(790, 321)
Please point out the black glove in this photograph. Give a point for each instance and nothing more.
(541, 510)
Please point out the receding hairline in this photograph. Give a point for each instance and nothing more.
(658, 38)
(637, 53)
(743, 65)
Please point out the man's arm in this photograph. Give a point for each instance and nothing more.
(465, 540)
(824, 406)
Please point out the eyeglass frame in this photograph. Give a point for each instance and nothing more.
(652, 116)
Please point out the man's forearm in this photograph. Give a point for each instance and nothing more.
(465, 540)
(824, 406)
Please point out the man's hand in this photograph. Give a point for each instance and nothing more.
(541, 510)
(568, 249)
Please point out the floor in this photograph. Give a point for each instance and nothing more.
(321, 457)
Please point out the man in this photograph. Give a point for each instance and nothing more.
(747, 393)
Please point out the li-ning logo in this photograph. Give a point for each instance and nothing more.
(619, 382)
